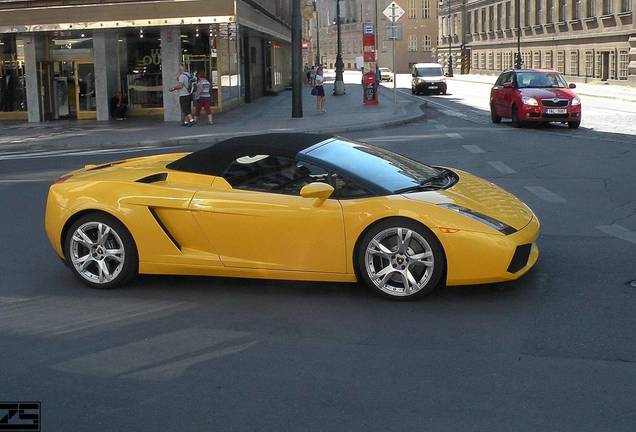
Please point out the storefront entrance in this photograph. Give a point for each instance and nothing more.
(68, 89)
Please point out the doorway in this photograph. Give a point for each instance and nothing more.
(68, 90)
(605, 65)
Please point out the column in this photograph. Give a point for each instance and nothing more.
(32, 54)
(105, 52)
(170, 60)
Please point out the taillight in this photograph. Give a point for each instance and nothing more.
(63, 178)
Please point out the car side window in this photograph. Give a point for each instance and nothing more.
(506, 78)
(500, 80)
(273, 174)
(346, 188)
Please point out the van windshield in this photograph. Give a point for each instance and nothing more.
(429, 71)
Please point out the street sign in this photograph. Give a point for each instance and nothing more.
(393, 32)
(393, 12)
(368, 29)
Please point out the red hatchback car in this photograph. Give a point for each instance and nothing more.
(534, 95)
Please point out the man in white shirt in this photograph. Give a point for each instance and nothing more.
(185, 95)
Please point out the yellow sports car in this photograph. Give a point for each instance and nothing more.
(290, 206)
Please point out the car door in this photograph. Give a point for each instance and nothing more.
(254, 217)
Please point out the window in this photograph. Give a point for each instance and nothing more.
(483, 20)
(540, 80)
(427, 44)
(273, 174)
(590, 8)
(589, 63)
(548, 60)
(527, 12)
(476, 60)
(491, 18)
(482, 60)
(498, 61)
(412, 43)
(612, 65)
(476, 21)
(426, 8)
(411, 8)
(498, 21)
(623, 64)
(560, 62)
(626, 5)
(574, 63)
(12, 78)
(576, 10)
(469, 22)
(608, 7)
(491, 60)
(562, 13)
(549, 10)
(536, 59)
(538, 11)
(508, 8)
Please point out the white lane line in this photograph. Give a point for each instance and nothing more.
(65, 153)
(454, 135)
(12, 181)
(501, 167)
(545, 194)
(618, 231)
(474, 148)
(440, 127)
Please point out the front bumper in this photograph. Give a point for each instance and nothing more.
(538, 114)
(439, 86)
(478, 258)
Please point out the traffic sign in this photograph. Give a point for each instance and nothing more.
(368, 29)
(393, 12)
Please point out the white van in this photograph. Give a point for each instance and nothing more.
(428, 78)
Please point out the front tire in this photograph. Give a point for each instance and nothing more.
(100, 251)
(574, 124)
(516, 123)
(494, 117)
(400, 259)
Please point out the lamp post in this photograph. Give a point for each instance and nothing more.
(317, 31)
(518, 19)
(450, 42)
(338, 85)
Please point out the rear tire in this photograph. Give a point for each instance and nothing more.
(400, 259)
(574, 124)
(494, 117)
(516, 123)
(100, 251)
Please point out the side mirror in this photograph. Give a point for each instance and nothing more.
(572, 85)
(319, 190)
(413, 75)
(507, 85)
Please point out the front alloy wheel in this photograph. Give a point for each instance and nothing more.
(401, 260)
(101, 251)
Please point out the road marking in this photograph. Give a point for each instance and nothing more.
(69, 152)
(618, 231)
(440, 127)
(545, 194)
(501, 167)
(454, 135)
(473, 148)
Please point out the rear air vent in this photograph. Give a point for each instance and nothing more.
(154, 178)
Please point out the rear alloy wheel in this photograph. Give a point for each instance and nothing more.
(400, 259)
(100, 251)
(516, 123)
(493, 115)
(574, 124)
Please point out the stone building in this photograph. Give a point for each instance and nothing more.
(417, 44)
(67, 58)
(586, 40)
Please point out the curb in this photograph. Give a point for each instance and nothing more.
(419, 114)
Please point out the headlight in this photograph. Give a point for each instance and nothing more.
(486, 220)
(576, 101)
(529, 101)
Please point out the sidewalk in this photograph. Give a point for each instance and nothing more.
(266, 114)
(598, 89)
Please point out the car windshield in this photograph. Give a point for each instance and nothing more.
(540, 80)
(387, 170)
(384, 70)
(429, 71)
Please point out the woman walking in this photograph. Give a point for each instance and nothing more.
(319, 90)
(204, 97)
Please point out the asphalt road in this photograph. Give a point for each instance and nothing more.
(554, 351)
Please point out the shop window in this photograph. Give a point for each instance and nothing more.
(76, 43)
(12, 82)
(140, 67)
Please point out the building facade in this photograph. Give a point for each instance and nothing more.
(586, 40)
(418, 32)
(63, 59)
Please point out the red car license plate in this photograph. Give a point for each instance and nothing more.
(556, 111)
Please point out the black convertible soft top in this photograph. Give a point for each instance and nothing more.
(214, 160)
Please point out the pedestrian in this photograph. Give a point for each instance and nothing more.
(118, 106)
(319, 90)
(185, 85)
(310, 75)
(203, 97)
